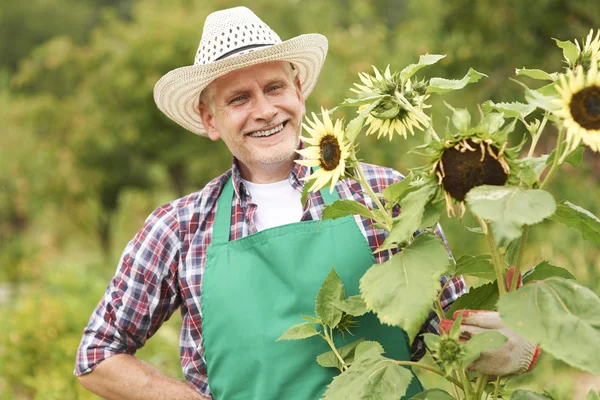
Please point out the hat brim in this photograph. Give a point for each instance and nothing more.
(177, 93)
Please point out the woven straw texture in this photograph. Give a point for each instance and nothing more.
(232, 39)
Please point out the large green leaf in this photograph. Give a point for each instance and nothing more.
(412, 209)
(331, 292)
(559, 314)
(570, 51)
(425, 60)
(510, 110)
(483, 297)
(479, 266)
(522, 394)
(537, 74)
(367, 346)
(432, 394)
(432, 214)
(592, 395)
(579, 218)
(573, 159)
(329, 359)
(441, 85)
(353, 305)
(545, 270)
(481, 342)
(402, 289)
(343, 208)
(371, 377)
(300, 331)
(509, 208)
(393, 192)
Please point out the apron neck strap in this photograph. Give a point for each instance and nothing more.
(222, 223)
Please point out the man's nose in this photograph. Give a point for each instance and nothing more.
(264, 108)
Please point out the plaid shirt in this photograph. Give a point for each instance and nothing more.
(161, 270)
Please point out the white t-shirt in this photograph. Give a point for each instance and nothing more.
(277, 203)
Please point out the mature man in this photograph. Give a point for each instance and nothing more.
(241, 258)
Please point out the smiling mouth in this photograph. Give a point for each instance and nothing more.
(267, 132)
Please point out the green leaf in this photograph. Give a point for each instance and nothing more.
(509, 208)
(431, 214)
(358, 102)
(479, 266)
(574, 158)
(331, 292)
(490, 124)
(560, 315)
(530, 168)
(537, 74)
(312, 319)
(570, 51)
(481, 342)
(510, 110)
(353, 305)
(579, 218)
(306, 192)
(402, 289)
(300, 331)
(393, 192)
(441, 85)
(412, 209)
(433, 394)
(521, 394)
(427, 59)
(347, 352)
(475, 229)
(592, 395)
(539, 98)
(353, 128)
(483, 297)
(363, 347)
(432, 340)
(545, 270)
(371, 377)
(343, 208)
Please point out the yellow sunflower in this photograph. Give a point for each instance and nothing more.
(579, 106)
(589, 51)
(327, 150)
(400, 111)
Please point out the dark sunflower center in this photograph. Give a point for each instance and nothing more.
(330, 152)
(464, 171)
(585, 107)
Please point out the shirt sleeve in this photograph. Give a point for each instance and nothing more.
(140, 297)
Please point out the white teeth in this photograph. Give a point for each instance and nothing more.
(267, 132)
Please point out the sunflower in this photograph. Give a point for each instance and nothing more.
(589, 51)
(399, 110)
(579, 106)
(327, 150)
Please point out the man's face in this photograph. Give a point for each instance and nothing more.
(257, 111)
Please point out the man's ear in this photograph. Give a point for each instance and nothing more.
(208, 120)
(299, 93)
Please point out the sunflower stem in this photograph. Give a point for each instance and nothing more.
(519, 259)
(535, 137)
(431, 369)
(329, 339)
(387, 224)
(496, 257)
(479, 385)
(556, 161)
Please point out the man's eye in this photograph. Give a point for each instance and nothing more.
(237, 99)
(273, 88)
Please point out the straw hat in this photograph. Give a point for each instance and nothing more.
(234, 38)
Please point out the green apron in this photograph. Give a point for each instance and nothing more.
(255, 288)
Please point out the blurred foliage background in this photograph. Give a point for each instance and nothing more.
(86, 156)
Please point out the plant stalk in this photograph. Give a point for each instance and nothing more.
(556, 161)
(431, 369)
(519, 260)
(479, 385)
(329, 339)
(387, 224)
(536, 136)
(497, 389)
(496, 257)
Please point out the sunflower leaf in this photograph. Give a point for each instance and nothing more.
(331, 292)
(306, 192)
(569, 49)
(431, 214)
(342, 208)
(461, 118)
(479, 266)
(354, 127)
(347, 352)
(509, 208)
(484, 341)
(536, 74)
(402, 289)
(365, 346)
(483, 297)
(522, 394)
(574, 158)
(510, 110)
(353, 305)
(441, 85)
(425, 60)
(300, 331)
(412, 209)
(560, 315)
(545, 270)
(579, 218)
(393, 192)
(592, 395)
(351, 102)
(371, 376)
(433, 394)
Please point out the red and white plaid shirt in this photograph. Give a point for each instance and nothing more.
(161, 270)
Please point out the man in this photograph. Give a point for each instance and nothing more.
(242, 258)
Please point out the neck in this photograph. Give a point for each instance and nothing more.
(269, 173)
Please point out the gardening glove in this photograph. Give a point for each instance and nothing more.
(517, 356)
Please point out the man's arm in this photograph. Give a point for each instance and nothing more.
(141, 381)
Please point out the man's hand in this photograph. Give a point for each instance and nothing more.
(516, 356)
